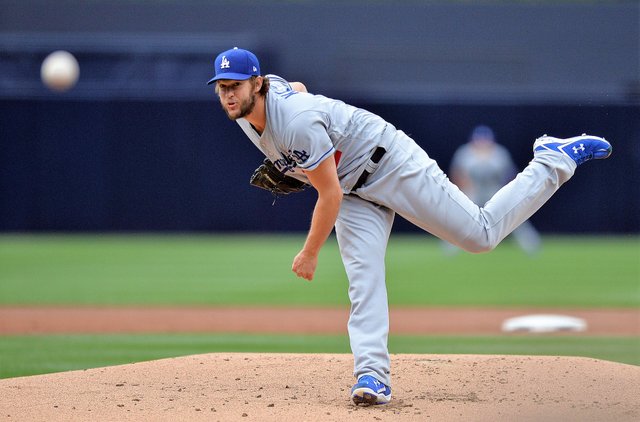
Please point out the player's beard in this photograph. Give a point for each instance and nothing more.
(246, 107)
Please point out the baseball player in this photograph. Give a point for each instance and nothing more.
(480, 168)
(365, 171)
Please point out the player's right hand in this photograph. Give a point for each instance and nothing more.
(304, 265)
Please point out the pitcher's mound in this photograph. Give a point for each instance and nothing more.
(315, 387)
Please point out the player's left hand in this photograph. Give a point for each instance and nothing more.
(304, 265)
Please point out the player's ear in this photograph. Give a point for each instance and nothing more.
(258, 84)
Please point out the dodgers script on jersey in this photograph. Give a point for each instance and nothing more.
(304, 129)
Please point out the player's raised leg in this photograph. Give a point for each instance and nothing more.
(579, 148)
(518, 200)
(554, 162)
(421, 192)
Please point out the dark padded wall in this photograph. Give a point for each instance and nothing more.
(141, 144)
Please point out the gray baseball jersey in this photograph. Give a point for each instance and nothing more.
(304, 129)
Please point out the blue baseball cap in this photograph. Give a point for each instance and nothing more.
(236, 64)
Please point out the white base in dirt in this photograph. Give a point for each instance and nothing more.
(543, 323)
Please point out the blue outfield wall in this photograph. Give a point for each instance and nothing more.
(117, 165)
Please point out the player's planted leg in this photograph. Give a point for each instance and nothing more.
(362, 232)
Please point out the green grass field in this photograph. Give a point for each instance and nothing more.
(118, 270)
(252, 270)
(30, 355)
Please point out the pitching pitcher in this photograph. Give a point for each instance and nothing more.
(365, 171)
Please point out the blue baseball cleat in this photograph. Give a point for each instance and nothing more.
(579, 148)
(369, 390)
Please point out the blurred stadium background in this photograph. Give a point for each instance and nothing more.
(140, 143)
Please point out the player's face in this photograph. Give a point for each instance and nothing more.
(238, 98)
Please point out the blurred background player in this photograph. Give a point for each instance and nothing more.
(480, 168)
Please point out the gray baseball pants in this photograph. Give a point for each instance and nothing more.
(408, 182)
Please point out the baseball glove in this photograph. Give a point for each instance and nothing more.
(268, 177)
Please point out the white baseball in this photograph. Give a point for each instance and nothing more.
(60, 70)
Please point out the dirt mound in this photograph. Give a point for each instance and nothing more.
(309, 387)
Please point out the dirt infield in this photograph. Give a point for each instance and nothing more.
(308, 387)
(31, 320)
(315, 387)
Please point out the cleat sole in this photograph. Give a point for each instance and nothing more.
(367, 397)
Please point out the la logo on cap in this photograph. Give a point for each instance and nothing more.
(235, 64)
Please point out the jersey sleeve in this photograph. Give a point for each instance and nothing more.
(278, 84)
(306, 140)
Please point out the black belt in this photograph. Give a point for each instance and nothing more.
(375, 158)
